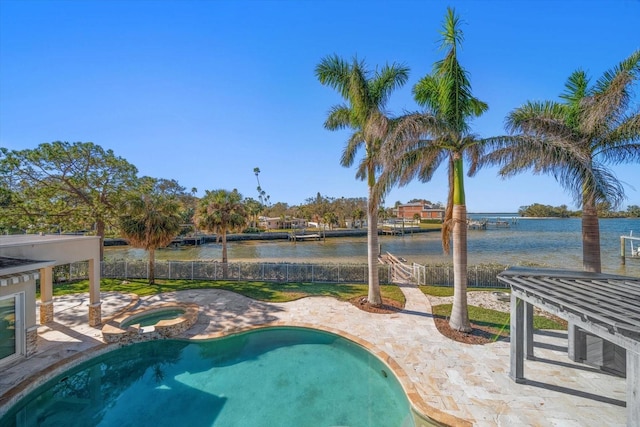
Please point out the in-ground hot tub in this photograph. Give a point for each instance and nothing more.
(155, 322)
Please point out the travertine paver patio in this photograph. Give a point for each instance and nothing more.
(465, 381)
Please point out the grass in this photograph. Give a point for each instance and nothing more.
(497, 319)
(263, 291)
(483, 316)
(447, 291)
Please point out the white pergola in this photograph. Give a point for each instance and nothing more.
(603, 305)
(58, 250)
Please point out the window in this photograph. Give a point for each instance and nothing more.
(11, 327)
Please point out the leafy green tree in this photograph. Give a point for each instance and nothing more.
(330, 218)
(254, 208)
(366, 97)
(220, 212)
(151, 221)
(67, 186)
(359, 215)
(575, 140)
(442, 135)
(538, 210)
(279, 209)
(633, 211)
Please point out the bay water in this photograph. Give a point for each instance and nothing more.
(543, 242)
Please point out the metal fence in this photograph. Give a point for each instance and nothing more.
(435, 275)
(442, 275)
(213, 270)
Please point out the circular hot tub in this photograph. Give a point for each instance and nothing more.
(154, 322)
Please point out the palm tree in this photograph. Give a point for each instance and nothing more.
(358, 215)
(442, 134)
(151, 221)
(366, 97)
(219, 212)
(574, 140)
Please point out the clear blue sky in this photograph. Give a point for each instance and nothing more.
(204, 91)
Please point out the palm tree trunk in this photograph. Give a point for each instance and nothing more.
(152, 266)
(374, 297)
(590, 236)
(459, 319)
(225, 266)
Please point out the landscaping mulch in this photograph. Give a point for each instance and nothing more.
(480, 334)
(388, 306)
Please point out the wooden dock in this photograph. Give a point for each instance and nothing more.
(304, 237)
(187, 241)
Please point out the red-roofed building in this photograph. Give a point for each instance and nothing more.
(423, 208)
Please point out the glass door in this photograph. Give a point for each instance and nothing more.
(11, 329)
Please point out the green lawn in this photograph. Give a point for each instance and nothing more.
(263, 291)
(483, 316)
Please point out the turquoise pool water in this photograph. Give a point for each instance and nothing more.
(269, 377)
(153, 317)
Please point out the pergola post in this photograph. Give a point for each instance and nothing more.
(577, 344)
(516, 347)
(633, 388)
(46, 295)
(95, 315)
(528, 329)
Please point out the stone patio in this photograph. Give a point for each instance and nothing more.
(445, 379)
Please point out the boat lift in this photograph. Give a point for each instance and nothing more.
(635, 250)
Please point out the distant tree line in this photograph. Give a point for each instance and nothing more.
(63, 187)
(538, 210)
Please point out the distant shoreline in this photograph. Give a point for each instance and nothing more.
(274, 235)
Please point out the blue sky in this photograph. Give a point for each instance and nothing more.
(204, 91)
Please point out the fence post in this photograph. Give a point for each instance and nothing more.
(287, 272)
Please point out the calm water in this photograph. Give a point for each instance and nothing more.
(271, 377)
(544, 242)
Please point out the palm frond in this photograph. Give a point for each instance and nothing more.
(351, 149)
(386, 80)
(334, 72)
(603, 108)
(339, 117)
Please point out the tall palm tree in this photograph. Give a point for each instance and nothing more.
(574, 140)
(442, 134)
(366, 96)
(219, 212)
(151, 221)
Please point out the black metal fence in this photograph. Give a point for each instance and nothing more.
(435, 275)
(213, 270)
(484, 276)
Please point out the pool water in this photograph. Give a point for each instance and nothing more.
(269, 377)
(153, 317)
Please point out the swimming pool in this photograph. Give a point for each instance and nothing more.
(281, 376)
